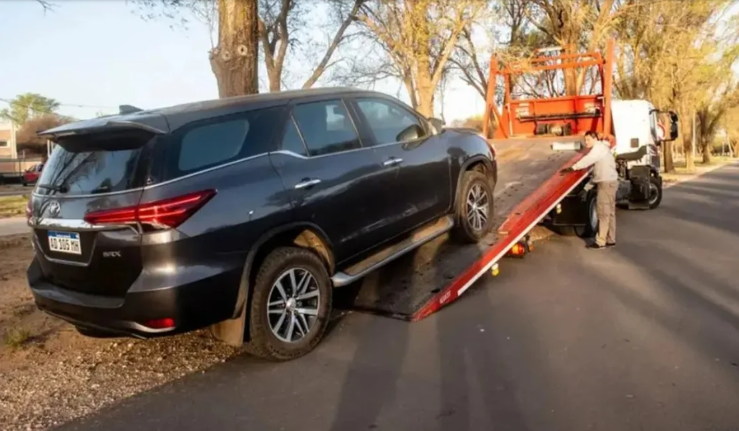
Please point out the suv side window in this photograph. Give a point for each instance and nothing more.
(387, 119)
(292, 141)
(214, 142)
(223, 142)
(326, 127)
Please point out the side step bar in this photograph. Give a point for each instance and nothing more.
(388, 254)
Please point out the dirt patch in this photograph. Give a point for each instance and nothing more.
(51, 374)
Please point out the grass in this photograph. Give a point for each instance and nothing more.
(12, 206)
(15, 338)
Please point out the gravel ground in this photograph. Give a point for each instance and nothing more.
(52, 387)
(55, 374)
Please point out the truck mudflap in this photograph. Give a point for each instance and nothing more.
(437, 273)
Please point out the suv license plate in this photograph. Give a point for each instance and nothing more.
(65, 242)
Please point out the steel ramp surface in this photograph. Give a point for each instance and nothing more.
(420, 282)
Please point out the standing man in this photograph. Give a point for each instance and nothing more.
(605, 178)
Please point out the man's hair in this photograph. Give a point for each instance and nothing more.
(592, 134)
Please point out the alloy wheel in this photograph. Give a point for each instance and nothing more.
(293, 305)
(477, 207)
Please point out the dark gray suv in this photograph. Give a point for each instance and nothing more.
(247, 210)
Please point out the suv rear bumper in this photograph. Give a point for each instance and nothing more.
(192, 305)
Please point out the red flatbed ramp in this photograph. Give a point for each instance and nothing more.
(422, 281)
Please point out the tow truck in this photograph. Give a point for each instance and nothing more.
(534, 139)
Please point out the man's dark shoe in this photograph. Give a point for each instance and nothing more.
(610, 244)
(595, 246)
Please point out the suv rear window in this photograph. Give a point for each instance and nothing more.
(91, 164)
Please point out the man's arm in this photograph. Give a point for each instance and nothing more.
(593, 156)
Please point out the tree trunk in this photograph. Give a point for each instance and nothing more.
(234, 60)
(669, 165)
(570, 74)
(425, 89)
(687, 134)
(689, 161)
(275, 79)
(425, 102)
(706, 151)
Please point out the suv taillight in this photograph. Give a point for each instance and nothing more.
(165, 213)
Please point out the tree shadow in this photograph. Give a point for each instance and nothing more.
(368, 388)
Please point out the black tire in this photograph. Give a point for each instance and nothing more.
(587, 231)
(464, 230)
(263, 341)
(656, 185)
(591, 228)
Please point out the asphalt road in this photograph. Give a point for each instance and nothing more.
(641, 337)
(13, 226)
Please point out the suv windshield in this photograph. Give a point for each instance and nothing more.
(93, 164)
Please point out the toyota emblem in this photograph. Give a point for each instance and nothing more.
(54, 208)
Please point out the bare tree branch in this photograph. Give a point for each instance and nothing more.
(338, 39)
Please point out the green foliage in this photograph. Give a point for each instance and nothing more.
(29, 105)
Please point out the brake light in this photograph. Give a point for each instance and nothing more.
(164, 323)
(168, 212)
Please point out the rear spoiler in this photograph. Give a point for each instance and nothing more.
(150, 122)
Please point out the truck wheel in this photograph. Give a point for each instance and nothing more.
(588, 230)
(290, 306)
(474, 212)
(655, 192)
(591, 228)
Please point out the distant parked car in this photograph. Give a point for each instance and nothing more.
(31, 175)
(157, 222)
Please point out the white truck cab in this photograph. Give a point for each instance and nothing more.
(639, 134)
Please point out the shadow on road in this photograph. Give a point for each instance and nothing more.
(644, 336)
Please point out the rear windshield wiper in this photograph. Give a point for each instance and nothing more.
(54, 188)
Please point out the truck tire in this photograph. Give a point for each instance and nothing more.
(655, 186)
(290, 305)
(474, 208)
(590, 229)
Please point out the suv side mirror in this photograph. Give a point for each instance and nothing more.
(673, 126)
(437, 124)
(410, 133)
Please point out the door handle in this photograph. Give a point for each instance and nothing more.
(392, 161)
(306, 183)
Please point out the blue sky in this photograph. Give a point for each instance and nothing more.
(101, 53)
